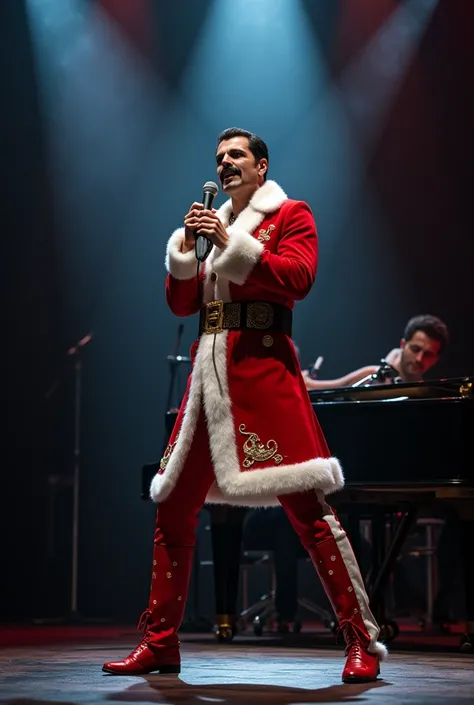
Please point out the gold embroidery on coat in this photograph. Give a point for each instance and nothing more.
(264, 235)
(255, 450)
(167, 454)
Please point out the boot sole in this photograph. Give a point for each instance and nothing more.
(161, 671)
(360, 679)
(355, 679)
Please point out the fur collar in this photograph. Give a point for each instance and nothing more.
(267, 199)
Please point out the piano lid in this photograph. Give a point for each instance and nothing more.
(452, 388)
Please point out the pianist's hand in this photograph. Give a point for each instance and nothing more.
(307, 379)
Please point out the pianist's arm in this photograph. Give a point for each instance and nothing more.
(345, 381)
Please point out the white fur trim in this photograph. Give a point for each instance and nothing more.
(224, 212)
(218, 290)
(261, 486)
(255, 487)
(181, 265)
(240, 256)
(381, 650)
(162, 485)
(216, 496)
(353, 570)
(235, 262)
(268, 198)
(338, 475)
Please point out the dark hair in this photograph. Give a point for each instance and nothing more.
(432, 326)
(256, 145)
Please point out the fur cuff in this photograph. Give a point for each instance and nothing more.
(239, 257)
(381, 650)
(181, 265)
(337, 475)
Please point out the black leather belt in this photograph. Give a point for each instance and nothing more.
(217, 316)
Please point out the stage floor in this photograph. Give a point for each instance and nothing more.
(250, 672)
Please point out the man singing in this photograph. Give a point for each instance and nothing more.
(246, 433)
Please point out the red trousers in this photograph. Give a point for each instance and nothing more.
(177, 516)
(175, 535)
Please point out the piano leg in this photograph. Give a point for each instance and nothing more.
(353, 530)
(377, 520)
(379, 584)
(467, 543)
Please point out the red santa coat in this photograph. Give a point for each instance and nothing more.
(264, 438)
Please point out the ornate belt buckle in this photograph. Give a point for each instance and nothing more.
(214, 317)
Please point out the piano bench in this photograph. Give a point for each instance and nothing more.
(264, 608)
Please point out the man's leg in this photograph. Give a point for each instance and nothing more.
(285, 557)
(175, 537)
(325, 540)
(226, 535)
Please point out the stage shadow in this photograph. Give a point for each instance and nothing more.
(35, 701)
(169, 691)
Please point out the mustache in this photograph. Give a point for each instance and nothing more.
(230, 171)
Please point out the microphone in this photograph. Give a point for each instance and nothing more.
(80, 344)
(203, 244)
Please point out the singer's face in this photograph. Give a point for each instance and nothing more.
(236, 166)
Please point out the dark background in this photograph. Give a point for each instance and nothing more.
(110, 110)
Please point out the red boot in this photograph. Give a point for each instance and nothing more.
(340, 575)
(361, 665)
(159, 647)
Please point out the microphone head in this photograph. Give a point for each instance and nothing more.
(210, 187)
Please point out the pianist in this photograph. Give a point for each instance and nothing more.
(423, 341)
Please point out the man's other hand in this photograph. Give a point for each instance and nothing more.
(210, 226)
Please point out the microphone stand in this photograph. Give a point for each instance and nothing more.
(174, 361)
(75, 353)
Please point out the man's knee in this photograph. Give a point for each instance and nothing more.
(175, 527)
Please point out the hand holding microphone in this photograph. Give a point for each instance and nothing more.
(202, 227)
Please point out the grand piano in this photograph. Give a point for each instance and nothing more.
(403, 446)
